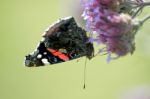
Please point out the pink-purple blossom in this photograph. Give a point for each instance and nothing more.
(112, 28)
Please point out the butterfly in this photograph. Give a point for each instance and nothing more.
(62, 41)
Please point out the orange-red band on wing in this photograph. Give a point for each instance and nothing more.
(58, 54)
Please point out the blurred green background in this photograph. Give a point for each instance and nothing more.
(22, 23)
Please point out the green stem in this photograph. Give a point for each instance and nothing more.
(145, 19)
(145, 4)
(140, 4)
(135, 14)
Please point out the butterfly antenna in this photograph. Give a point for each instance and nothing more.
(84, 86)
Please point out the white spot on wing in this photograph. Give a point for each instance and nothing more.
(39, 56)
(45, 61)
(45, 53)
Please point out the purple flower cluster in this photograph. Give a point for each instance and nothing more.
(110, 27)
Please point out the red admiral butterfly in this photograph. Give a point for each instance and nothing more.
(62, 41)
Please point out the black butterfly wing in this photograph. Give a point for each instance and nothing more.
(64, 36)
